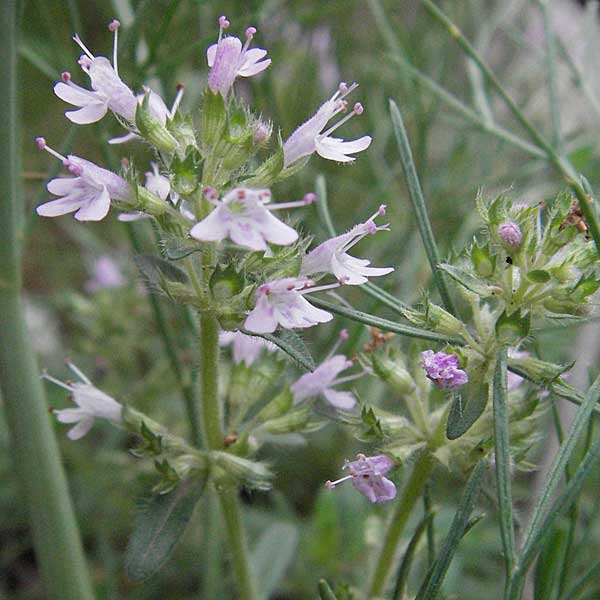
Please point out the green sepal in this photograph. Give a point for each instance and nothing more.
(538, 370)
(390, 367)
(214, 119)
(241, 471)
(469, 281)
(152, 129)
(185, 173)
(277, 407)
(268, 172)
(511, 329)
(483, 262)
(181, 127)
(226, 282)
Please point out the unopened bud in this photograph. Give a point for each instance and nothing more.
(242, 471)
(152, 129)
(262, 133)
(393, 371)
(149, 202)
(510, 234)
(538, 370)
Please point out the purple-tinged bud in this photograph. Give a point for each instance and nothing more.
(510, 234)
(262, 132)
(114, 25)
(443, 369)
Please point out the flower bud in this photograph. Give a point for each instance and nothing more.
(393, 371)
(510, 234)
(184, 174)
(295, 420)
(152, 129)
(280, 405)
(149, 203)
(262, 132)
(241, 470)
(538, 370)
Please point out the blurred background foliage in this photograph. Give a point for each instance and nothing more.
(112, 333)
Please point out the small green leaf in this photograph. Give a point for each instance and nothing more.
(293, 345)
(538, 276)
(272, 556)
(467, 406)
(159, 525)
(155, 270)
(467, 280)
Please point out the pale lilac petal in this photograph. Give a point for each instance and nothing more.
(211, 52)
(244, 233)
(277, 232)
(96, 209)
(341, 400)
(77, 432)
(376, 489)
(158, 184)
(133, 216)
(329, 148)
(262, 318)
(62, 206)
(253, 55)
(225, 67)
(63, 186)
(74, 94)
(212, 228)
(90, 113)
(123, 139)
(68, 415)
(353, 146)
(250, 69)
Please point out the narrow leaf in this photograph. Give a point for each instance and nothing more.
(418, 202)
(155, 269)
(468, 281)
(272, 556)
(431, 586)
(293, 345)
(159, 525)
(468, 405)
(325, 592)
(384, 324)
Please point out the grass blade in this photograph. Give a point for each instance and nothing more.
(418, 202)
(590, 576)
(431, 586)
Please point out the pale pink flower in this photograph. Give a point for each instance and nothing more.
(106, 275)
(322, 380)
(244, 216)
(310, 137)
(108, 90)
(282, 302)
(367, 476)
(88, 194)
(510, 234)
(246, 348)
(332, 255)
(91, 404)
(228, 59)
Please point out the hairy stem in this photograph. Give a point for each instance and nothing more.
(213, 433)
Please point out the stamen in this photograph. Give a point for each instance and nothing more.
(210, 193)
(341, 121)
(342, 336)
(331, 484)
(65, 76)
(77, 372)
(358, 109)
(56, 381)
(250, 32)
(348, 377)
(74, 168)
(83, 47)
(223, 24)
(308, 199)
(41, 144)
(177, 101)
(114, 27)
(321, 288)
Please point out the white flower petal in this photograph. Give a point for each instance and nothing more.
(74, 94)
(68, 415)
(213, 228)
(341, 400)
(262, 318)
(123, 139)
(211, 52)
(95, 209)
(91, 113)
(62, 206)
(329, 148)
(277, 232)
(245, 232)
(77, 432)
(248, 70)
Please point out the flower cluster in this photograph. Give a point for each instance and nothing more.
(443, 369)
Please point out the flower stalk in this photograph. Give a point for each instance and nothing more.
(412, 492)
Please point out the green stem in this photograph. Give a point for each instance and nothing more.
(37, 460)
(213, 432)
(404, 505)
